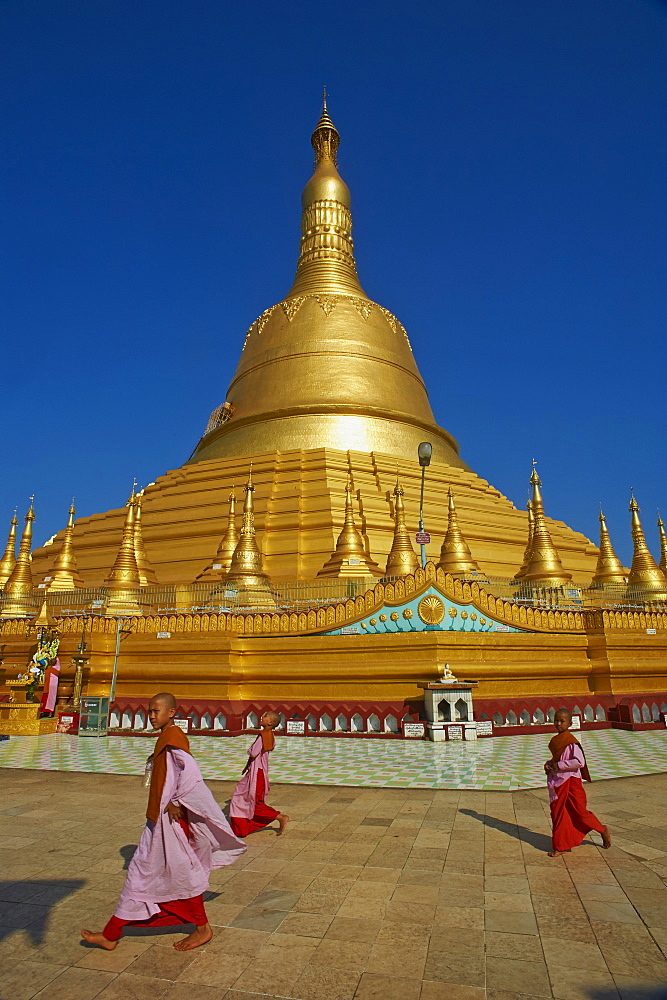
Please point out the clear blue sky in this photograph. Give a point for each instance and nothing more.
(507, 164)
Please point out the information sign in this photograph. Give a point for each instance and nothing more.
(423, 538)
(454, 732)
(500, 627)
(413, 730)
(484, 728)
(650, 631)
(576, 722)
(297, 727)
(164, 635)
(350, 630)
(183, 724)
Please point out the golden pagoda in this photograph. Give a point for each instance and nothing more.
(609, 569)
(529, 545)
(402, 557)
(64, 574)
(645, 578)
(349, 558)
(147, 577)
(246, 572)
(544, 565)
(8, 561)
(663, 544)
(455, 556)
(123, 583)
(222, 560)
(17, 592)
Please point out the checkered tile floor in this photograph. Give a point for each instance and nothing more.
(502, 763)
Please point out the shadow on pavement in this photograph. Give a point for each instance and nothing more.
(27, 905)
(537, 840)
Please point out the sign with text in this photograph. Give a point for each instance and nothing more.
(650, 631)
(413, 730)
(183, 724)
(454, 732)
(164, 635)
(350, 630)
(423, 538)
(576, 722)
(484, 728)
(295, 727)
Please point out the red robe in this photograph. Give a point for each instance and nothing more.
(570, 817)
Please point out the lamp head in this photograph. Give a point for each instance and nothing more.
(425, 451)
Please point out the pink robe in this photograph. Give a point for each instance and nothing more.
(569, 766)
(166, 865)
(243, 799)
(50, 693)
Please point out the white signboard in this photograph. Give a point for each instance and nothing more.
(576, 722)
(413, 730)
(484, 728)
(164, 635)
(650, 631)
(297, 727)
(350, 630)
(183, 724)
(454, 732)
(500, 627)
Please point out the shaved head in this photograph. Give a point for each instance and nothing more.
(166, 698)
(272, 718)
(566, 713)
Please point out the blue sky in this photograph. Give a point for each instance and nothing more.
(506, 160)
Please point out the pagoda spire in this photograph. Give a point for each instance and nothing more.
(222, 561)
(18, 589)
(663, 544)
(646, 578)
(246, 568)
(349, 558)
(529, 545)
(609, 568)
(147, 577)
(65, 574)
(402, 557)
(455, 556)
(124, 581)
(544, 565)
(326, 261)
(8, 561)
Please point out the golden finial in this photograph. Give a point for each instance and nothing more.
(123, 582)
(544, 565)
(64, 574)
(9, 558)
(349, 558)
(325, 138)
(455, 556)
(402, 557)
(147, 577)
(18, 588)
(526, 554)
(222, 561)
(246, 570)
(646, 580)
(609, 568)
(663, 544)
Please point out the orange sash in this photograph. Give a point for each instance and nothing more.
(557, 745)
(172, 736)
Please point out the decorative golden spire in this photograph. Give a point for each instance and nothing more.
(65, 575)
(18, 589)
(402, 557)
(222, 561)
(663, 545)
(544, 565)
(609, 568)
(123, 582)
(325, 367)
(646, 578)
(455, 556)
(147, 577)
(326, 262)
(8, 561)
(526, 555)
(246, 569)
(349, 558)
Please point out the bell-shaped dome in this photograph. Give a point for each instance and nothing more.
(327, 367)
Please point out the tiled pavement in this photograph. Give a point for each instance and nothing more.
(503, 763)
(372, 894)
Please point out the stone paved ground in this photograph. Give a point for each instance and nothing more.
(372, 894)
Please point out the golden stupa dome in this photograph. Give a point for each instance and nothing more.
(327, 367)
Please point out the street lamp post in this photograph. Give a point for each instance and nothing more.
(114, 675)
(424, 452)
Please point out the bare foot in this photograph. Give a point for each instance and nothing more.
(99, 939)
(557, 854)
(606, 838)
(283, 820)
(201, 935)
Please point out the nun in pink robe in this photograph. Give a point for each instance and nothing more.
(248, 811)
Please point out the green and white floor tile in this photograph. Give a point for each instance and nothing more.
(503, 763)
